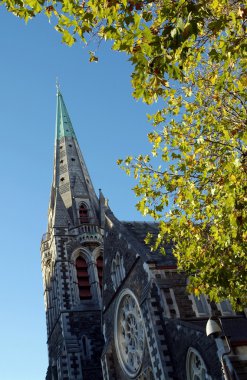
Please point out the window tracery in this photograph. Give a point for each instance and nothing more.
(147, 374)
(195, 366)
(129, 333)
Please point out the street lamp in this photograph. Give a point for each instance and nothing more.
(214, 328)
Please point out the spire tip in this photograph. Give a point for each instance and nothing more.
(57, 86)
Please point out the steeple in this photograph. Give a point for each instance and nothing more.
(71, 181)
(64, 126)
(72, 261)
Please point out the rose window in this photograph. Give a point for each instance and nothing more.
(129, 333)
(195, 366)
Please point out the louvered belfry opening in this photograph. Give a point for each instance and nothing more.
(83, 214)
(83, 279)
(99, 264)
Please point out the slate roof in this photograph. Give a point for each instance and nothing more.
(138, 231)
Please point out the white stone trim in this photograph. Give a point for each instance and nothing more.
(223, 310)
(131, 321)
(195, 366)
(204, 303)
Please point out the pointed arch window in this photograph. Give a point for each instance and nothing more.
(195, 366)
(117, 270)
(99, 263)
(86, 348)
(83, 279)
(83, 214)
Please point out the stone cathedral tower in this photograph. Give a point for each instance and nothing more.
(72, 262)
(153, 329)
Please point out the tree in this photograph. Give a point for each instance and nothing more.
(191, 56)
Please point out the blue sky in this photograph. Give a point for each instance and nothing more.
(109, 124)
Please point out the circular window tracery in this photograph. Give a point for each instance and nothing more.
(129, 333)
(195, 366)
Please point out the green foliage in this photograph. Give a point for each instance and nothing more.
(191, 54)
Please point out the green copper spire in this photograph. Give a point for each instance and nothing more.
(64, 126)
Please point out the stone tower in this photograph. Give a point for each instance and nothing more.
(72, 259)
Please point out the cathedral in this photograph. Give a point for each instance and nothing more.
(114, 310)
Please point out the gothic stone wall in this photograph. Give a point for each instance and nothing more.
(181, 336)
(85, 328)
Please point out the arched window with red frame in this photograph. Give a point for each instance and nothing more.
(83, 214)
(83, 279)
(99, 263)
